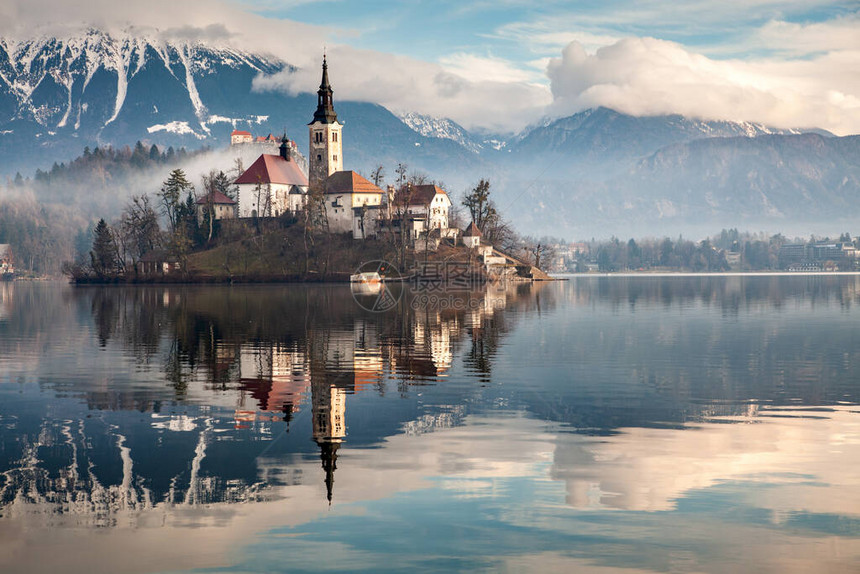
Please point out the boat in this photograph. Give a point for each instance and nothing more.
(366, 283)
(369, 278)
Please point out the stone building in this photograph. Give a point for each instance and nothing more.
(326, 150)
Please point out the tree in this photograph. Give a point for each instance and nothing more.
(215, 181)
(139, 156)
(401, 171)
(139, 225)
(378, 175)
(315, 219)
(479, 205)
(170, 195)
(103, 255)
(538, 252)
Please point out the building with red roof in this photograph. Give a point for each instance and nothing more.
(220, 206)
(240, 137)
(429, 202)
(273, 185)
(472, 236)
(352, 203)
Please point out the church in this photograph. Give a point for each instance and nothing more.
(275, 184)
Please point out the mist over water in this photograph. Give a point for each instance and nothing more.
(598, 424)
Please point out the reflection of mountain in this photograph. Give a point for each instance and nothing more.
(238, 364)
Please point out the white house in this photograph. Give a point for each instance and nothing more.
(352, 203)
(240, 137)
(428, 202)
(221, 206)
(472, 236)
(273, 185)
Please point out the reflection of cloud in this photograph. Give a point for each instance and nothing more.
(44, 542)
(487, 464)
(650, 469)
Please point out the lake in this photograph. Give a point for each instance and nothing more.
(599, 424)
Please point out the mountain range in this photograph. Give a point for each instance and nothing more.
(593, 173)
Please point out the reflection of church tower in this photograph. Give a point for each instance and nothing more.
(329, 419)
(326, 155)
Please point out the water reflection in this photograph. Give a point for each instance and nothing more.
(210, 372)
(569, 423)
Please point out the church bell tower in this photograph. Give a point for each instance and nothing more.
(326, 151)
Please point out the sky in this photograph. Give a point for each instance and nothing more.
(501, 65)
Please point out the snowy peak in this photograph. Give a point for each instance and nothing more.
(441, 128)
(47, 80)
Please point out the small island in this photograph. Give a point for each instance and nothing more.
(287, 218)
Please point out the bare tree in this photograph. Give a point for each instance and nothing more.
(480, 206)
(378, 175)
(315, 219)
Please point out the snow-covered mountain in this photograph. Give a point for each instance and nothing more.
(441, 128)
(88, 84)
(58, 95)
(562, 175)
(605, 136)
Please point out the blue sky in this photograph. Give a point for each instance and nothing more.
(521, 32)
(500, 65)
(767, 61)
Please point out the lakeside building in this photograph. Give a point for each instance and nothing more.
(273, 185)
(352, 203)
(7, 261)
(217, 204)
(817, 256)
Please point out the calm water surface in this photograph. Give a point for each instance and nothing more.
(686, 424)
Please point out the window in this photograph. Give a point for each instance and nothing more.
(334, 136)
(318, 137)
(334, 158)
(319, 158)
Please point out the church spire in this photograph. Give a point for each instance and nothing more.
(325, 104)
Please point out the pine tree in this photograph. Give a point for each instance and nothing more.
(103, 255)
(170, 194)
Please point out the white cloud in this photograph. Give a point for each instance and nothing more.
(211, 21)
(817, 87)
(789, 37)
(403, 84)
(645, 76)
(487, 69)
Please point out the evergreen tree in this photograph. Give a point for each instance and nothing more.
(103, 254)
(170, 196)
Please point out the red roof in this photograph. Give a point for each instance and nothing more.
(273, 169)
(349, 182)
(217, 198)
(472, 231)
(421, 195)
(240, 133)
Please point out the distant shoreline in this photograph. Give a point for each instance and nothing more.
(708, 274)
